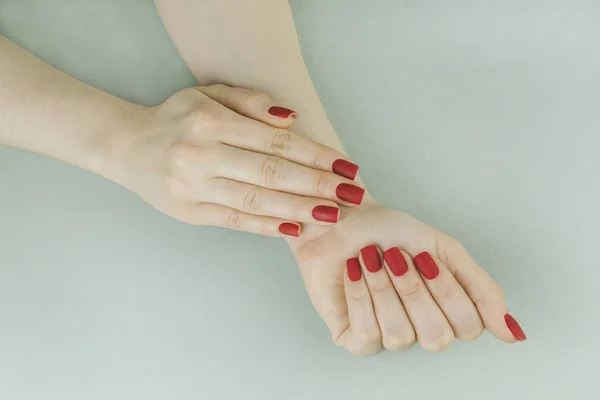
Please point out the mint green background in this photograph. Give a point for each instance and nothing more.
(479, 117)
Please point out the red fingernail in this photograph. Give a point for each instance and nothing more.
(345, 168)
(289, 229)
(514, 327)
(353, 267)
(395, 260)
(282, 112)
(426, 265)
(350, 193)
(371, 257)
(326, 213)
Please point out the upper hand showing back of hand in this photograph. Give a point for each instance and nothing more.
(223, 156)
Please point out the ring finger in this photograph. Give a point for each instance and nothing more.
(260, 201)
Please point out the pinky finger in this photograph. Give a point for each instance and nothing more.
(218, 215)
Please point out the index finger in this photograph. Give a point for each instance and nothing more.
(256, 136)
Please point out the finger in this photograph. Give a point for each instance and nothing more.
(450, 297)
(218, 215)
(431, 326)
(396, 330)
(285, 144)
(260, 201)
(362, 336)
(485, 293)
(276, 173)
(251, 104)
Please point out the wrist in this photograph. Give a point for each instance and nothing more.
(115, 148)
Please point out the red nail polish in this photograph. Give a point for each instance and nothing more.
(353, 267)
(326, 213)
(371, 257)
(426, 265)
(514, 327)
(350, 193)
(395, 260)
(345, 168)
(282, 112)
(289, 229)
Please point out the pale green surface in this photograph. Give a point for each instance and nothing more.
(479, 117)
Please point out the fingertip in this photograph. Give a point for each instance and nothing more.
(277, 117)
(514, 328)
(283, 113)
(345, 168)
(290, 229)
(353, 270)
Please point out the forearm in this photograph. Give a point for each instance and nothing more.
(46, 111)
(251, 44)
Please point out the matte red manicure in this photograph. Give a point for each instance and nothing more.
(350, 193)
(395, 260)
(289, 229)
(427, 266)
(353, 267)
(514, 327)
(345, 168)
(282, 112)
(326, 213)
(371, 257)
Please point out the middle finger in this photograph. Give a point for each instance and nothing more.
(277, 173)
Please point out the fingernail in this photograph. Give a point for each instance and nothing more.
(289, 229)
(371, 257)
(282, 112)
(426, 265)
(326, 213)
(353, 267)
(345, 168)
(514, 328)
(395, 260)
(350, 193)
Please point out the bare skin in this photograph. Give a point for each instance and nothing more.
(253, 44)
(212, 155)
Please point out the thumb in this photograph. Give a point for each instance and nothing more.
(251, 104)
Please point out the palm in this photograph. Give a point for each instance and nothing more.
(321, 252)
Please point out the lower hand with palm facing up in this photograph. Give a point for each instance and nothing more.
(381, 279)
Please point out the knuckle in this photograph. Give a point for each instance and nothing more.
(271, 170)
(399, 341)
(320, 184)
(201, 122)
(252, 97)
(411, 293)
(253, 201)
(379, 288)
(319, 157)
(233, 221)
(278, 142)
(360, 294)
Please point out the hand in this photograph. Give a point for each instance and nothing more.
(222, 156)
(368, 306)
